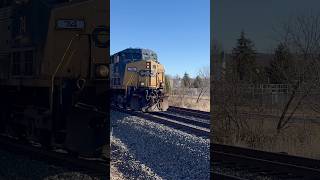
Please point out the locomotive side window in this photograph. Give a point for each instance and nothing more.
(16, 62)
(128, 56)
(28, 62)
(133, 56)
(116, 59)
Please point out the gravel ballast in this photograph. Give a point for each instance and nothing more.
(142, 149)
(18, 167)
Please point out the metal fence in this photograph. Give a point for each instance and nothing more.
(190, 91)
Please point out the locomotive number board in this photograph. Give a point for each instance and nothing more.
(132, 69)
(70, 24)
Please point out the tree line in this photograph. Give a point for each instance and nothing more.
(295, 62)
(201, 80)
(244, 67)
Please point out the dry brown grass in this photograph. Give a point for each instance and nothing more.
(190, 102)
(300, 138)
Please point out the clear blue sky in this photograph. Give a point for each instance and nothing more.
(177, 30)
(258, 18)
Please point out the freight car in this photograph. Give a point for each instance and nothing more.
(54, 73)
(137, 80)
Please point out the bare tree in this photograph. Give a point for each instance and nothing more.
(226, 99)
(302, 35)
(176, 81)
(168, 84)
(204, 74)
(179, 89)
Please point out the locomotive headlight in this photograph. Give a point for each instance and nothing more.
(148, 65)
(142, 84)
(102, 71)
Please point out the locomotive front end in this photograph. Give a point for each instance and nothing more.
(137, 80)
(149, 95)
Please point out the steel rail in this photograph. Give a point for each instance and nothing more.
(183, 126)
(266, 163)
(220, 176)
(183, 119)
(190, 112)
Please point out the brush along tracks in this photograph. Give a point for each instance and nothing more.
(91, 166)
(188, 125)
(266, 164)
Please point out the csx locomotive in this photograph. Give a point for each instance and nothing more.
(54, 59)
(137, 80)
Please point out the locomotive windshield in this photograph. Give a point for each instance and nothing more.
(150, 56)
(131, 54)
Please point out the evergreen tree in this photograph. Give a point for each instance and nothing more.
(186, 80)
(197, 83)
(167, 83)
(244, 57)
(279, 70)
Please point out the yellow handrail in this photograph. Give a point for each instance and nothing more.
(130, 79)
(58, 68)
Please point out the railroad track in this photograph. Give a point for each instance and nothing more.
(266, 164)
(219, 176)
(190, 112)
(257, 116)
(182, 123)
(94, 167)
(195, 122)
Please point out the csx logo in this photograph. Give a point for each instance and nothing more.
(147, 73)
